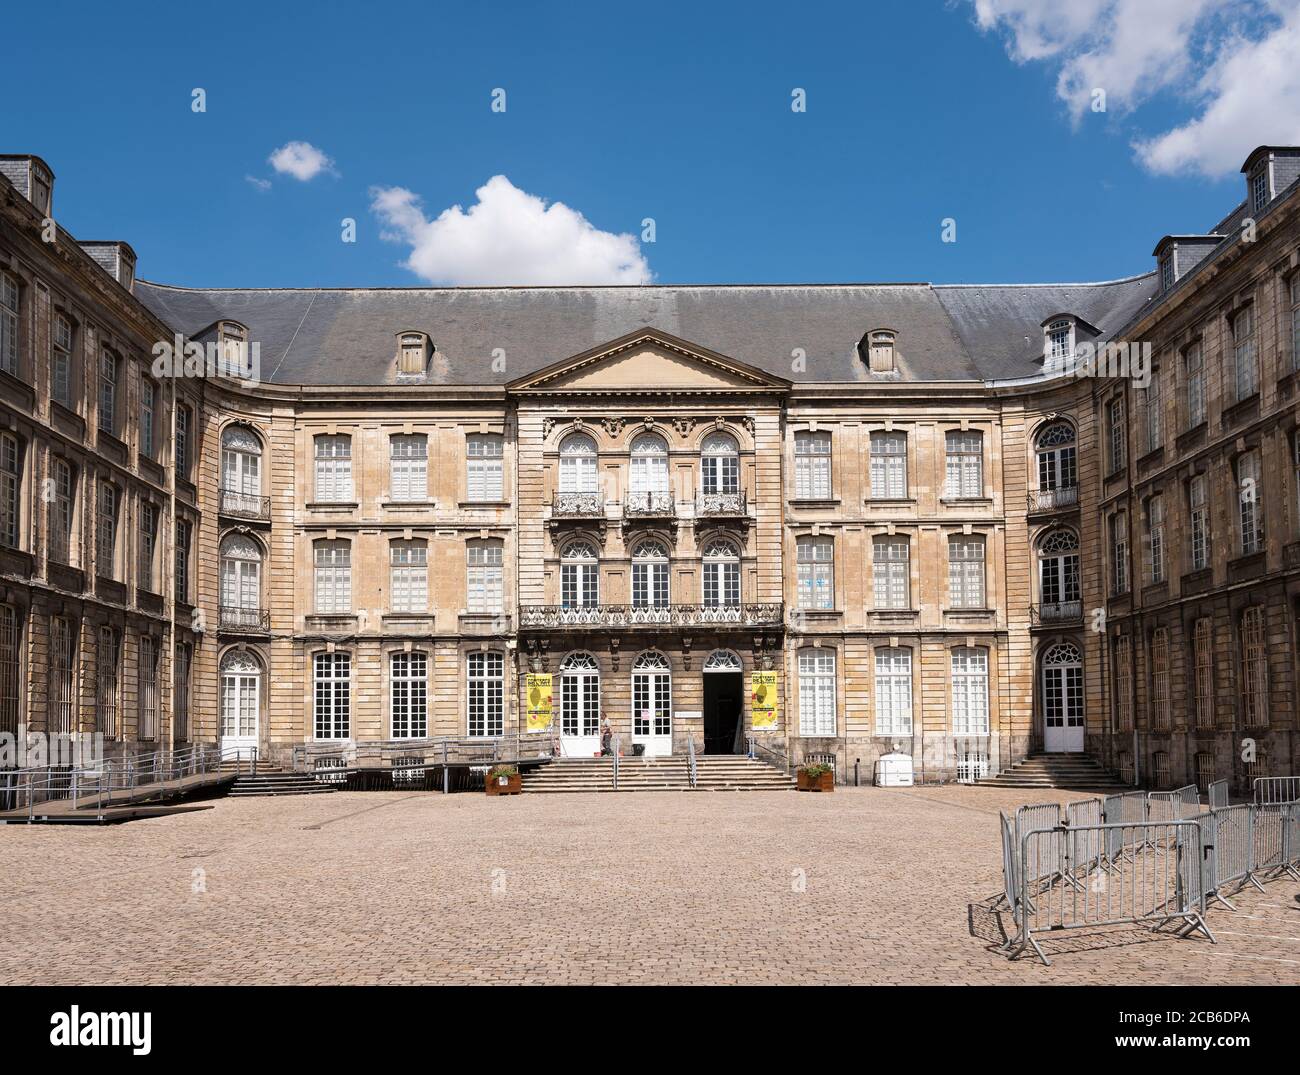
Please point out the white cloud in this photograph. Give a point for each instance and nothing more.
(1236, 61)
(302, 160)
(258, 184)
(507, 237)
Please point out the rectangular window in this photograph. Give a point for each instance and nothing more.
(891, 572)
(10, 489)
(1160, 716)
(1152, 406)
(108, 663)
(970, 691)
(816, 570)
(1117, 432)
(148, 540)
(9, 324)
(1254, 669)
(1203, 672)
(409, 462)
(183, 560)
(108, 391)
(1195, 364)
(332, 683)
(817, 692)
(334, 469)
(1124, 683)
(410, 576)
(1295, 321)
(1160, 769)
(1199, 513)
(1259, 189)
(888, 466)
(1205, 775)
(61, 500)
(148, 399)
(410, 695)
(483, 468)
(1243, 346)
(1156, 539)
(106, 532)
(181, 703)
(484, 576)
(333, 583)
(183, 442)
(63, 652)
(1119, 553)
(966, 572)
(10, 669)
(486, 694)
(812, 466)
(964, 471)
(1250, 503)
(61, 362)
(894, 691)
(148, 685)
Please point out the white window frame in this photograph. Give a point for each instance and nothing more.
(408, 462)
(812, 465)
(967, 554)
(1250, 502)
(970, 690)
(721, 575)
(891, 571)
(579, 455)
(963, 464)
(333, 454)
(650, 575)
(893, 690)
(888, 465)
(815, 568)
(485, 575)
(817, 692)
(408, 576)
(719, 464)
(332, 695)
(408, 694)
(332, 577)
(1245, 367)
(485, 694)
(484, 467)
(579, 575)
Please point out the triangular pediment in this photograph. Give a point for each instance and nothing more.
(649, 361)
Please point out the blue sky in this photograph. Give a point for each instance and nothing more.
(677, 112)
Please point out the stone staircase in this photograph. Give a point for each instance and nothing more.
(1063, 771)
(272, 780)
(714, 772)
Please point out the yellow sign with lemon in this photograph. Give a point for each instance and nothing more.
(762, 701)
(537, 695)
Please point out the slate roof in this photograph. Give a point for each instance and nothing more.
(945, 332)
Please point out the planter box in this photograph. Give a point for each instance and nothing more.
(512, 785)
(825, 782)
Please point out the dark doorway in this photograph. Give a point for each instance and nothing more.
(722, 698)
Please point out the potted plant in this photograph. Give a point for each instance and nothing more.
(815, 776)
(503, 780)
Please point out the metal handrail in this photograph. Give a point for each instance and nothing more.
(748, 614)
(755, 745)
(690, 753)
(615, 744)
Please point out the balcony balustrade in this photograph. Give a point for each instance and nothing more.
(578, 506)
(1054, 499)
(245, 505)
(649, 505)
(232, 618)
(1055, 612)
(650, 616)
(721, 505)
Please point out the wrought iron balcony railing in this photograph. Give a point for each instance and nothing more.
(231, 618)
(721, 505)
(653, 504)
(1053, 499)
(1056, 612)
(616, 616)
(578, 506)
(245, 505)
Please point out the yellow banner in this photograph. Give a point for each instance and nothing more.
(537, 696)
(762, 700)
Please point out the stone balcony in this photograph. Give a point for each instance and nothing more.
(1056, 612)
(236, 620)
(621, 617)
(1063, 499)
(245, 505)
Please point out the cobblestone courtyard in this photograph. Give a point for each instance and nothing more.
(648, 888)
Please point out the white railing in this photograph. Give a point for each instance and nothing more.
(551, 616)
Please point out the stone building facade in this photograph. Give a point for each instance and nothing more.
(942, 529)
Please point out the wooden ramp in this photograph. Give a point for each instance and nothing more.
(122, 803)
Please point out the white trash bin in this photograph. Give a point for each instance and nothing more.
(894, 770)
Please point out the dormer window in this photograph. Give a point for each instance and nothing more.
(1167, 271)
(233, 338)
(877, 347)
(412, 352)
(1259, 188)
(1058, 341)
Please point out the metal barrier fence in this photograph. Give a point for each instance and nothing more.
(1276, 789)
(1217, 794)
(1135, 858)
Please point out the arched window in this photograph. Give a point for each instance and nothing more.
(721, 575)
(649, 464)
(579, 575)
(241, 683)
(580, 701)
(241, 581)
(1058, 575)
(720, 464)
(722, 660)
(578, 464)
(1057, 461)
(650, 575)
(1062, 667)
(652, 702)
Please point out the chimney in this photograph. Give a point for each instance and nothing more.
(1177, 255)
(116, 258)
(32, 177)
